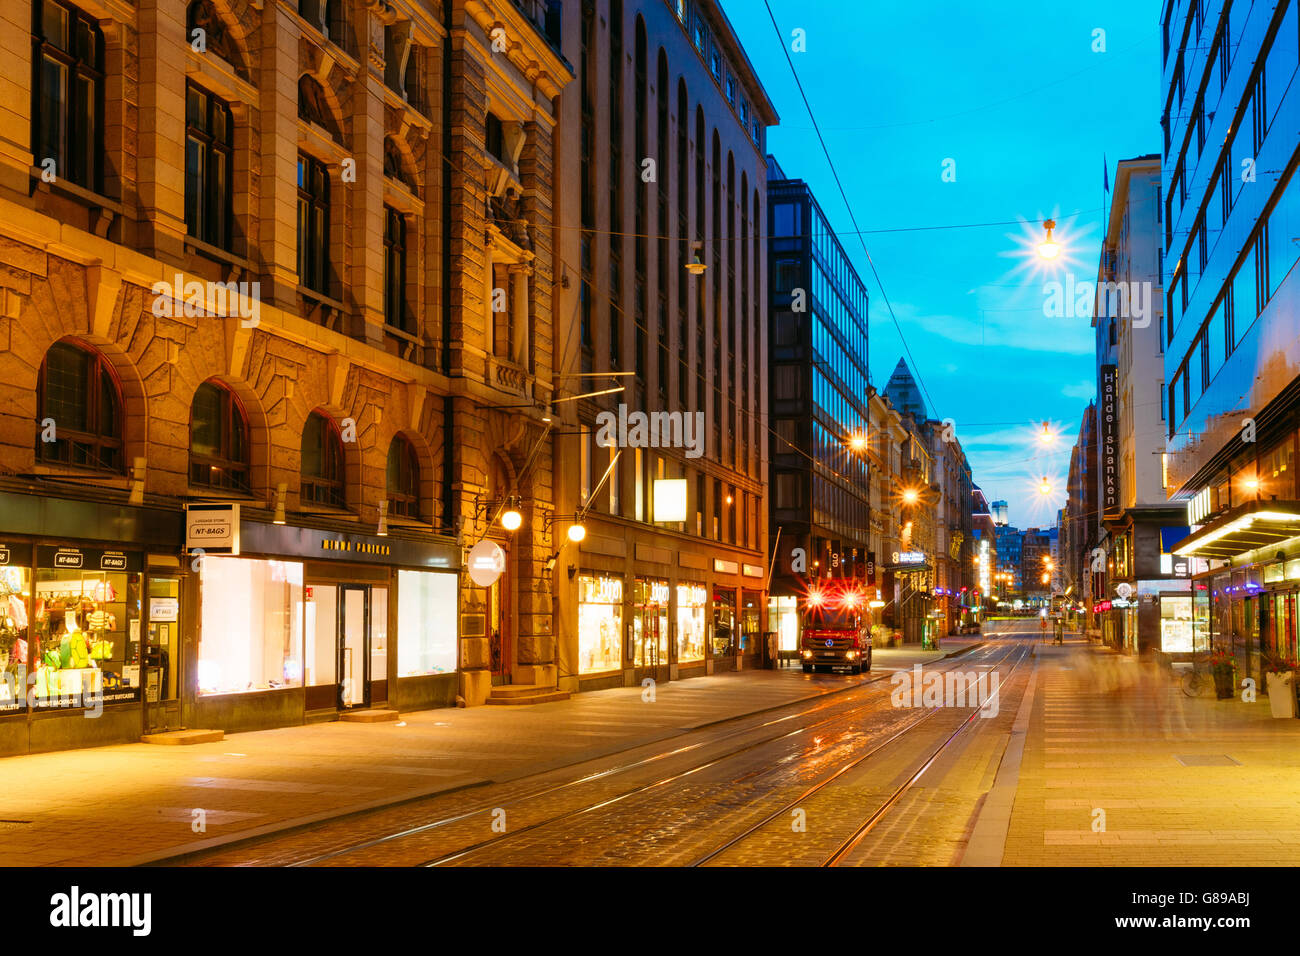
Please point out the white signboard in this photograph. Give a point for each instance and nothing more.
(486, 563)
(212, 528)
(164, 609)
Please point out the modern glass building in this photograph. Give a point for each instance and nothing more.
(818, 335)
(1232, 319)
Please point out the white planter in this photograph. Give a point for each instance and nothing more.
(1281, 694)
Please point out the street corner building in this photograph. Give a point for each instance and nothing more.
(276, 348)
(1232, 320)
(661, 449)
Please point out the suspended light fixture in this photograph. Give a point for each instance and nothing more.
(1048, 248)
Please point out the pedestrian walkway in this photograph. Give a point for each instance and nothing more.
(135, 802)
(1120, 768)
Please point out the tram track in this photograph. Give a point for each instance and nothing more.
(496, 843)
(846, 846)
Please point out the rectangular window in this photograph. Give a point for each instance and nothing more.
(426, 623)
(396, 313)
(788, 275)
(67, 92)
(788, 383)
(313, 224)
(1244, 297)
(251, 620)
(600, 624)
(1280, 66)
(1216, 342)
(1284, 234)
(209, 132)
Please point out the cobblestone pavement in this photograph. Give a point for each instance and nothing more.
(253, 784)
(671, 810)
(1176, 781)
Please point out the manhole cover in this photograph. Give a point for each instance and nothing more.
(1206, 760)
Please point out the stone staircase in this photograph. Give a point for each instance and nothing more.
(516, 695)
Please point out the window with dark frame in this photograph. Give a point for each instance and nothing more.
(313, 224)
(218, 440)
(403, 479)
(67, 92)
(209, 149)
(322, 463)
(396, 314)
(78, 391)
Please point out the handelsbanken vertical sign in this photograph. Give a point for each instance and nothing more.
(1109, 451)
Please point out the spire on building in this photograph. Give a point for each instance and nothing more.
(904, 394)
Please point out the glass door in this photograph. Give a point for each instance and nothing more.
(354, 659)
(162, 711)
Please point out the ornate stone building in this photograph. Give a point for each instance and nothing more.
(295, 258)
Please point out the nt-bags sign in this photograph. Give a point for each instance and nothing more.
(1108, 452)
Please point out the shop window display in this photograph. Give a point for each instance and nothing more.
(692, 626)
(724, 623)
(426, 624)
(250, 636)
(15, 636)
(600, 624)
(85, 628)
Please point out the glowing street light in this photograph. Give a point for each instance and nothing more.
(858, 442)
(1047, 436)
(1048, 248)
(577, 532)
(1045, 487)
(910, 495)
(512, 519)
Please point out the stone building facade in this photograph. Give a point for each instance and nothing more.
(273, 231)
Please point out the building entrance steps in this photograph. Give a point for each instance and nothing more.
(523, 694)
(368, 716)
(183, 737)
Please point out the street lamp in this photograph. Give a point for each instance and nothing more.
(511, 519)
(576, 533)
(1048, 248)
(858, 442)
(1045, 487)
(909, 496)
(1047, 436)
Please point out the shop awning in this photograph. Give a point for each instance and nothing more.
(904, 568)
(1253, 525)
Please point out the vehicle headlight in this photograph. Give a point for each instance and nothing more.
(807, 653)
(852, 654)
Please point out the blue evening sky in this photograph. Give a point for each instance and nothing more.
(1014, 94)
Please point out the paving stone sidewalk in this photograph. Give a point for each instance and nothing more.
(135, 802)
(1181, 781)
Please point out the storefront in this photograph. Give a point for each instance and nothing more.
(650, 649)
(783, 617)
(692, 629)
(725, 642)
(600, 631)
(307, 623)
(81, 635)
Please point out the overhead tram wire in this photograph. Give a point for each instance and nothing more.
(847, 205)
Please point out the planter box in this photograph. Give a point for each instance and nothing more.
(1224, 684)
(1281, 694)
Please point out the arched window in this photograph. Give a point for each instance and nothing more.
(322, 463)
(403, 479)
(79, 404)
(218, 440)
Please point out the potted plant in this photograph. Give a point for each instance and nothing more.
(1223, 665)
(1279, 676)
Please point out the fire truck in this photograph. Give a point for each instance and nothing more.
(836, 628)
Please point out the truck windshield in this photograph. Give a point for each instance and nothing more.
(830, 618)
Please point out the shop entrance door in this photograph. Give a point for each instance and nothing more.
(161, 707)
(501, 646)
(354, 646)
(650, 640)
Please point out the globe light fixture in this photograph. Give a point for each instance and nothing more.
(577, 532)
(512, 519)
(1048, 248)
